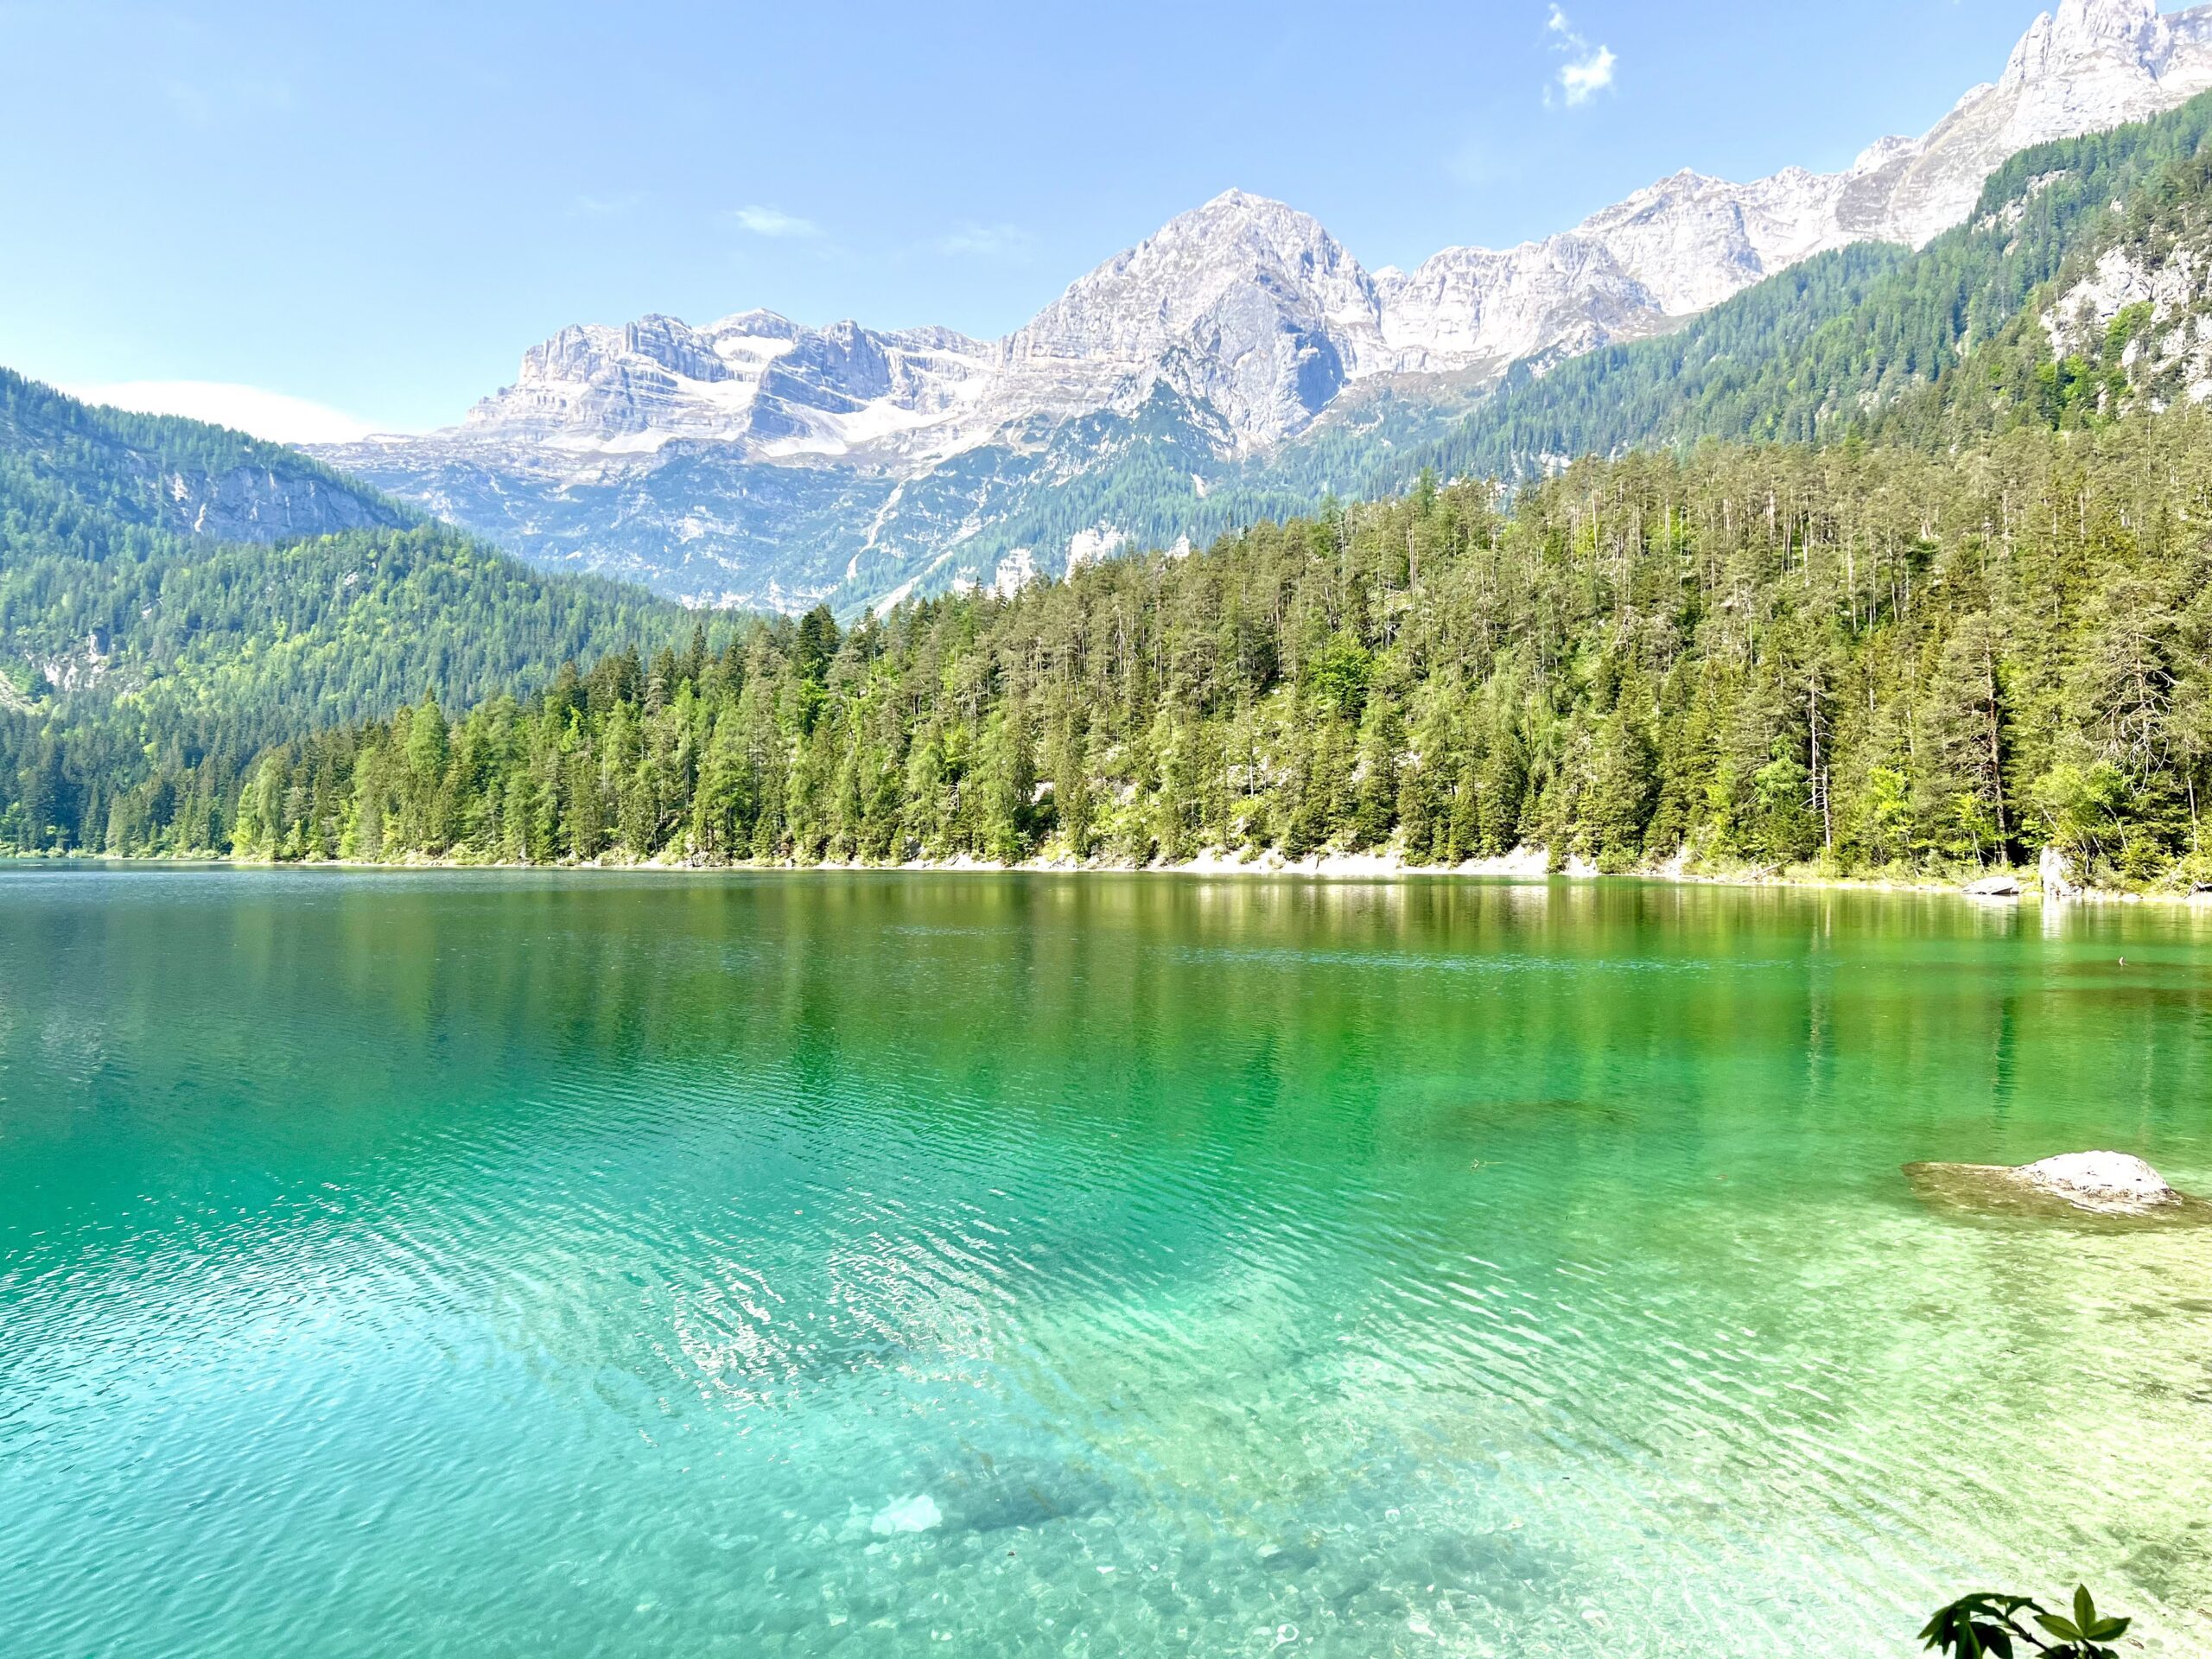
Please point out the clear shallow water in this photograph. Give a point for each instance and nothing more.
(485, 1265)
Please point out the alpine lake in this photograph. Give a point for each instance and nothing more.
(482, 1264)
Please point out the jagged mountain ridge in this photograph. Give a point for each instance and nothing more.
(1242, 321)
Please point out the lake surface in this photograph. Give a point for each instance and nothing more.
(507, 1264)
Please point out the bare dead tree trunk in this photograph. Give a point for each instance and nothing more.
(1996, 764)
(1819, 774)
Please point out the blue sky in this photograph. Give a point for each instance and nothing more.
(374, 207)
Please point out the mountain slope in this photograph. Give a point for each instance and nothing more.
(754, 461)
(140, 660)
(2124, 326)
(181, 476)
(1830, 344)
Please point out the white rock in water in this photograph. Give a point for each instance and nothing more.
(1995, 887)
(917, 1514)
(2099, 1180)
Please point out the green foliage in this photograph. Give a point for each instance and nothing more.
(145, 667)
(1993, 1624)
(1869, 658)
(1340, 675)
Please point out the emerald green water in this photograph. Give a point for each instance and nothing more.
(526, 1265)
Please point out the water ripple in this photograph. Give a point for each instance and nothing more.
(854, 1266)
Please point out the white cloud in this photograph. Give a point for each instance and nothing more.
(270, 415)
(988, 242)
(1588, 68)
(1594, 73)
(774, 221)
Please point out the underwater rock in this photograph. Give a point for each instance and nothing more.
(976, 1492)
(917, 1514)
(2099, 1183)
(1003, 1495)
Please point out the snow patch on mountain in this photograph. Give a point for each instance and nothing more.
(1015, 572)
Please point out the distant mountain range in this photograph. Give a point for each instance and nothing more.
(1239, 362)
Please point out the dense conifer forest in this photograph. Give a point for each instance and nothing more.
(1849, 659)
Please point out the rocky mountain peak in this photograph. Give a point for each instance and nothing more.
(1235, 327)
(2090, 65)
(2081, 26)
(1235, 237)
(751, 334)
(2090, 36)
(1250, 308)
(1244, 304)
(1258, 222)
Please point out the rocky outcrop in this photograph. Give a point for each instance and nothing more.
(1995, 887)
(2166, 285)
(262, 503)
(2113, 1184)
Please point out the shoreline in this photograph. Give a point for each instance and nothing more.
(1529, 865)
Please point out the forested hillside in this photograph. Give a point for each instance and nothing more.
(1848, 341)
(1961, 615)
(142, 666)
(1854, 658)
(2124, 327)
(1827, 347)
(181, 475)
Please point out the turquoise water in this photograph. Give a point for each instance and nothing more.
(503, 1264)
